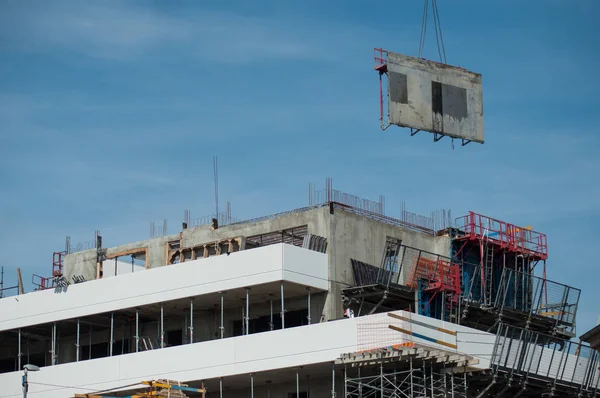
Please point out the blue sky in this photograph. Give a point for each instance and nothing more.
(110, 113)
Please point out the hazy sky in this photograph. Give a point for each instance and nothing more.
(111, 111)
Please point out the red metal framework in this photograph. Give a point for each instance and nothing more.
(380, 58)
(57, 263)
(443, 276)
(42, 283)
(507, 236)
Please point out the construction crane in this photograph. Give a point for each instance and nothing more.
(158, 388)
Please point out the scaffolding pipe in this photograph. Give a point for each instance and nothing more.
(77, 343)
(247, 320)
(162, 326)
(251, 385)
(282, 308)
(137, 331)
(381, 378)
(297, 384)
(308, 317)
(192, 321)
(19, 354)
(220, 387)
(412, 392)
(90, 345)
(112, 325)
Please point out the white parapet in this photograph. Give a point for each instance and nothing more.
(280, 262)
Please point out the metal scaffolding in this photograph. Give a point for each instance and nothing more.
(404, 372)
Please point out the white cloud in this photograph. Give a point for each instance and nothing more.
(122, 31)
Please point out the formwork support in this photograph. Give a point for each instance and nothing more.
(308, 294)
(19, 353)
(247, 319)
(297, 384)
(282, 308)
(162, 326)
(191, 321)
(112, 334)
(251, 385)
(333, 381)
(271, 324)
(53, 352)
(222, 328)
(77, 342)
(137, 331)
(220, 387)
(415, 378)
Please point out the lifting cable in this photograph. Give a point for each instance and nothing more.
(439, 38)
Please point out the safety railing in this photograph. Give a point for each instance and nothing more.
(512, 237)
(525, 353)
(539, 297)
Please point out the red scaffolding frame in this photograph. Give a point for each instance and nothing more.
(507, 236)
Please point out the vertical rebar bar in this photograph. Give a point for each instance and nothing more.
(192, 321)
(77, 343)
(282, 308)
(137, 330)
(162, 326)
(110, 343)
(308, 317)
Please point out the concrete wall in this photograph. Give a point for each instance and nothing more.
(349, 236)
(362, 238)
(431, 96)
(193, 278)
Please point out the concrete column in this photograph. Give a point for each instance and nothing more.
(192, 321)
(137, 331)
(77, 342)
(282, 308)
(112, 334)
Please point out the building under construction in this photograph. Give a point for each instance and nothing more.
(334, 299)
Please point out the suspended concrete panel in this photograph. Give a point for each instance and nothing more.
(434, 97)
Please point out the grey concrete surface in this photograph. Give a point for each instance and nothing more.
(349, 236)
